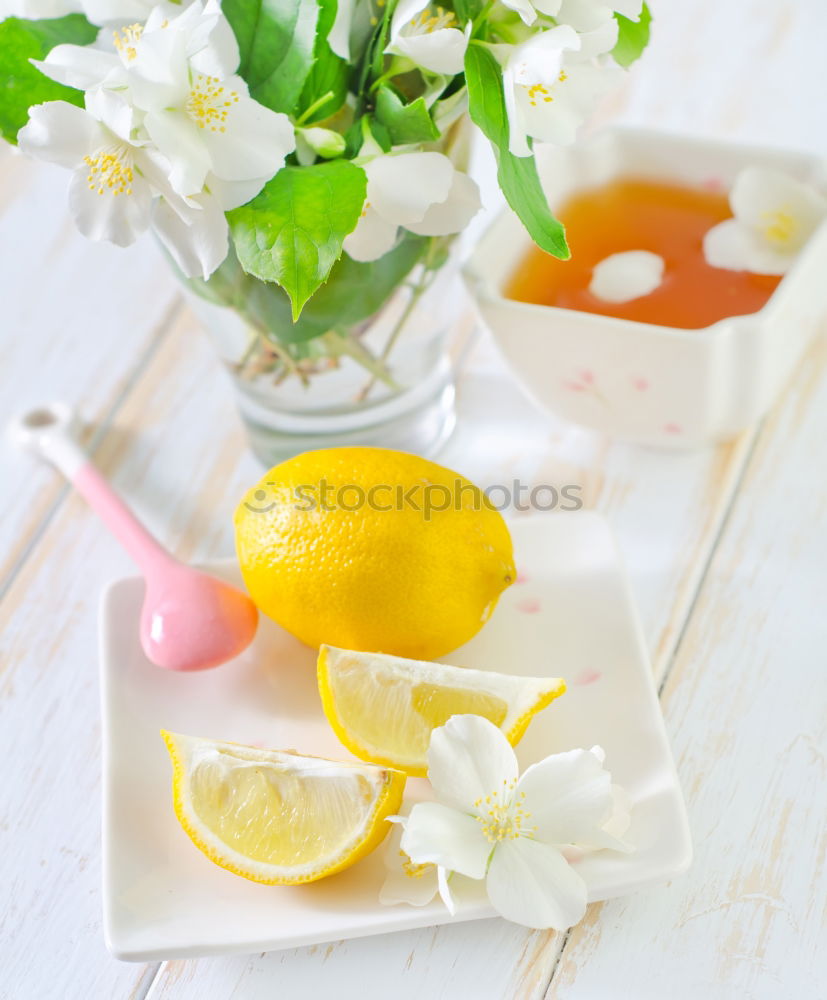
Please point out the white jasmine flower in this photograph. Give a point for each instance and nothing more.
(119, 189)
(429, 36)
(169, 138)
(422, 192)
(547, 95)
(774, 216)
(489, 823)
(621, 277)
(179, 73)
(110, 194)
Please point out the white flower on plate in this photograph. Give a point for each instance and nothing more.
(179, 73)
(549, 94)
(429, 36)
(514, 832)
(774, 216)
(422, 192)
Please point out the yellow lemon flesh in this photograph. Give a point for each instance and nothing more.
(383, 708)
(278, 817)
(368, 548)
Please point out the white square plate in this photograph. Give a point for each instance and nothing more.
(570, 615)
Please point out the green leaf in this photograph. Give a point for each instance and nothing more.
(632, 39)
(21, 84)
(354, 291)
(373, 58)
(517, 175)
(406, 123)
(292, 231)
(380, 133)
(467, 10)
(357, 289)
(276, 39)
(329, 73)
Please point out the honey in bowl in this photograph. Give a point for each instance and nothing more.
(665, 218)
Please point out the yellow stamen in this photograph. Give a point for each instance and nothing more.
(126, 39)
(109, 172)
(505, 820)
(426, 22)
(209, 103)
(534, 90)
(780, 227)
(412, 870)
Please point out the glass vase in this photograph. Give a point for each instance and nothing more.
(383, 379)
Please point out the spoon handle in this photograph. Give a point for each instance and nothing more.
(47, 432)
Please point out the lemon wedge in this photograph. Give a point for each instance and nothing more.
(383, 708)
(278, 817)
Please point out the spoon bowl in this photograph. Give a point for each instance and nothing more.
(190, 620)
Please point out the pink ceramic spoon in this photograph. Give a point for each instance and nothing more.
(189, 620)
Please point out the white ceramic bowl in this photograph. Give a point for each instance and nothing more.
(637, 381)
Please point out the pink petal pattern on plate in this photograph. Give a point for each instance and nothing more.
(530, 606)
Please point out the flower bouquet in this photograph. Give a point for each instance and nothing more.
(303, 164)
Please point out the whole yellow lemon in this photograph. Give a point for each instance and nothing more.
(373, 550)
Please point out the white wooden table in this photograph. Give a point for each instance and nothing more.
(726, 549)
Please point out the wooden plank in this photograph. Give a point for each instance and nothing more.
(488, 958)
(80, 319)
(175, 450)
(744, 704)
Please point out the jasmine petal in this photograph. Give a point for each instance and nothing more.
(622, 277)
